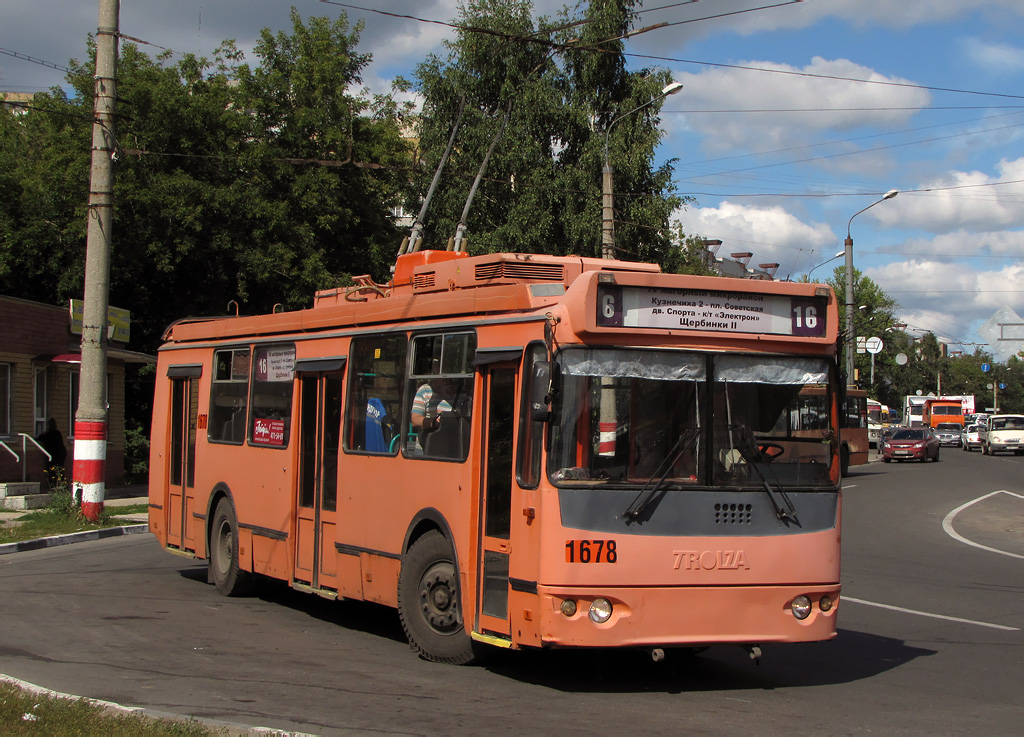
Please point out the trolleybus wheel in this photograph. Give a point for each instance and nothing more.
(428, 602)
(227, 575)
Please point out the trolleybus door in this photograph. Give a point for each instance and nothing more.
(496, 502)
(181, 457)
(319, 436)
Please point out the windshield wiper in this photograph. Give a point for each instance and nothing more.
(784, 513)
(643, 499)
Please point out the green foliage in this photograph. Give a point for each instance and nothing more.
(565, 91)
(136, 454)
(222, 188)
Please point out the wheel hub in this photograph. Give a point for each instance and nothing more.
(438, 600)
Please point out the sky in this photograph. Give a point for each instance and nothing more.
(793, 118)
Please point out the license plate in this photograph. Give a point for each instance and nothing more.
(901, 452)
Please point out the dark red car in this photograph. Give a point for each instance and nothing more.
(911, 444)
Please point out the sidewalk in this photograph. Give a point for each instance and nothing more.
(135, 523)
(120, 497)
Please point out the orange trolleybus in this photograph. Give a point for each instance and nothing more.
(517, 451)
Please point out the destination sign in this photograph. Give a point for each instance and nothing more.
(696, 309)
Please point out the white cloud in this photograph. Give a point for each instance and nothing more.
(736, 89)
(947, 297)
(961, 243)
(860, 13)
(976, 203)
(774, 233)
(997, 58)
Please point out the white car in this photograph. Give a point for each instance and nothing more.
(970, 437)
(1003, 433)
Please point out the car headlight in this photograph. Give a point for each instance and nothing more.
(801, 607)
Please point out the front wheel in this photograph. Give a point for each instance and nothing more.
(225, 572)
(429, 602)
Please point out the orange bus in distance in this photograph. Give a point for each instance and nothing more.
(854, 432)
(517, 451)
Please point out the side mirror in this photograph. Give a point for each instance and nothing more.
(540, 391)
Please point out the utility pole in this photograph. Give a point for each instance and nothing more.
(89, 468)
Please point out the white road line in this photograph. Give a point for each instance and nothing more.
(947, 524)
(928, 614)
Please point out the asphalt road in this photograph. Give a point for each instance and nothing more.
(931, 639)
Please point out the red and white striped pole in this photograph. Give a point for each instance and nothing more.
(91, 417)
(89, 469)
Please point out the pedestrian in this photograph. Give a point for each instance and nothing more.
(53, 443)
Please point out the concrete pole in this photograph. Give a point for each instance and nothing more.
(89, 468)
(607, 209)
(851, 332)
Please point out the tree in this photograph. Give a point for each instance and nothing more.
(559, 86)
(256, 184)
(874, 316)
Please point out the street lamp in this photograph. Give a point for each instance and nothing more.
(607, 200)
(848, 250)
(838, 255)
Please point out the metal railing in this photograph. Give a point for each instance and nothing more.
(25, 439)
(8, 449)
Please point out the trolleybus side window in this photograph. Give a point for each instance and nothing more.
(441, 390)
(229, 395)
(376, 378)
(531, 430)
(272, 388)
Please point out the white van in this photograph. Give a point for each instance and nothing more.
(1003, 433)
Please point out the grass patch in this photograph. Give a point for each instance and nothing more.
(63, 516)
(26, 713)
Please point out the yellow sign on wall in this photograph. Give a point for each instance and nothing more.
(118, 321)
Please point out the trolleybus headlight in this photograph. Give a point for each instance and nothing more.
(600, 611)
(825, 603)
(801, 607)
(568, 607)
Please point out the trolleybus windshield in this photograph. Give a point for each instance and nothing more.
(632, 417)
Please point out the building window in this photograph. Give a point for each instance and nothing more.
(39, 403)
(72, 402)
(5, 399)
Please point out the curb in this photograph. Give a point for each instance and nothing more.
(73, 537)
(110, 706)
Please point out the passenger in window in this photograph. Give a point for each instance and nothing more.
(432, 400)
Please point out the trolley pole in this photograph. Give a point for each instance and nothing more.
(89, 469)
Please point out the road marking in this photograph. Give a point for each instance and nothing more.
(947, 524)
(929, 614)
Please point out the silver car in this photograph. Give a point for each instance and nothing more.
(948, 433)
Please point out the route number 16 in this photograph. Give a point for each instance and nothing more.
(805, 317)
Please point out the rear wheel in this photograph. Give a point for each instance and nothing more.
(429, 602)
(225, 572)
